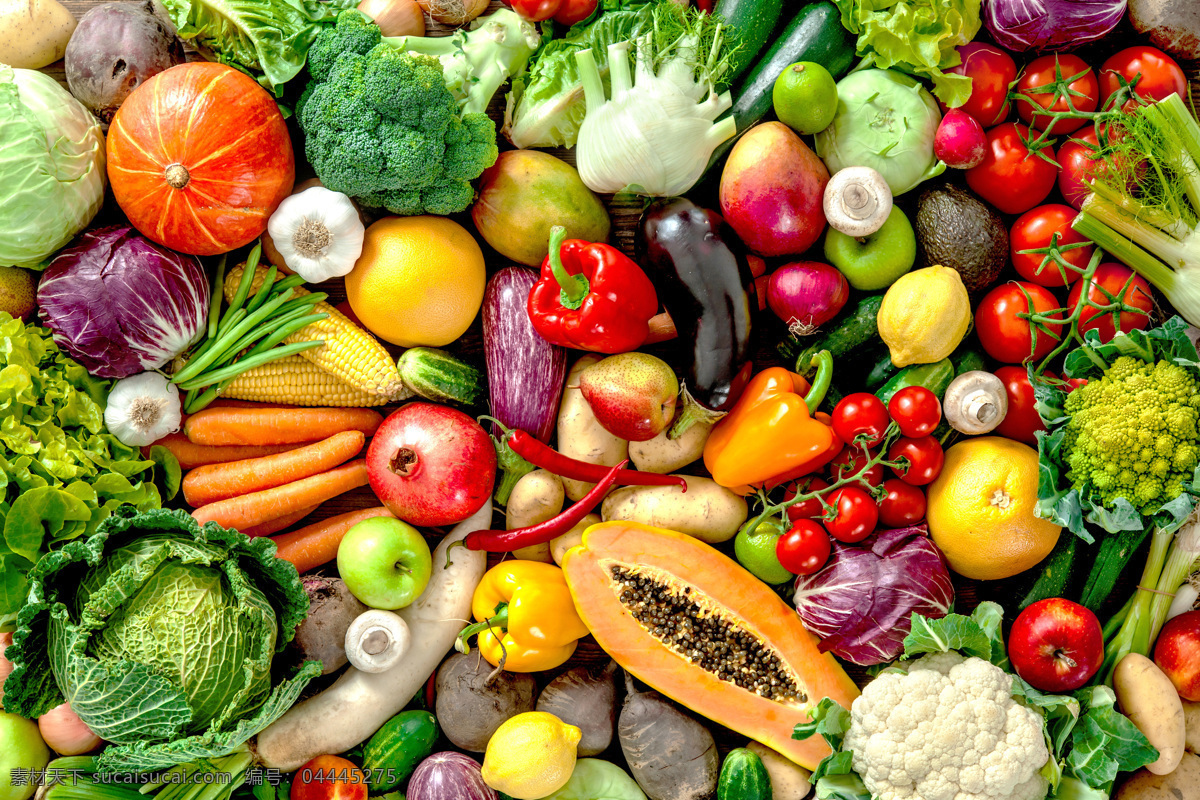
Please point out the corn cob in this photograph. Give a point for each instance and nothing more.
(295, 381)
(350, 353)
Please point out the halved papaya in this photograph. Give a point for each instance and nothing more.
(696, 626)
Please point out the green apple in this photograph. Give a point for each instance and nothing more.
(875, 261)
(21, 747)
(384, 562)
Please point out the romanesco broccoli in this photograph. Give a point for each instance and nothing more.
(1133, 433)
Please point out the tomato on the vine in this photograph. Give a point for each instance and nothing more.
(851, 462)
(1022, 420)
(535, 10)
(991, 71)
(1160, 78)
(925, 459)
(572, 11)
(804, 549)
(903, 505)
(1077, 157)
(1007, 337)
(860, 413)
(1010, 177)
(1037, 91)
(855, 515)
(916, 410)
(805, 509)
(1110, 282)
(1034, 230)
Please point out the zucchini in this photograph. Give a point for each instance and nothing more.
(438, 376)
(391, 755)
(743, 777)
(854, 329)
(753, 21)
(1115, 552)
(1056, 573)
(935, 377)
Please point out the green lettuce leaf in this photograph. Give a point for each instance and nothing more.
(917, 37)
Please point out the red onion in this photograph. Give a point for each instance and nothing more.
(449, 776)
(806, 295)
(6, 666)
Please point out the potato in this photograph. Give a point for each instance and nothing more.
(707, 510)
(1147, 696)
(663, 455)
(1191, 724)
(537, 497)
(559, 545)
(34, 33)
(580, 436)
(1182, 784)
(788, 781)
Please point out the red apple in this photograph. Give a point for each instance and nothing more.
(329, 778)
(431, 465)
(1177, 653)
(1056, 645)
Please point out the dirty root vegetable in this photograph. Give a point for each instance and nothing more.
(474, 699)
(580, 434)
(64, 732)
(1149, 699)
(116, 48)
(33, 33)
(857, 201)
(359, 702)
(707, 510)
(671, 755)
(1173, 25)
(377, 640)
(537, 497)
(1191, 722)
(664, 455)
(585, 697)
(788, 781)
(322, 634)
(559, 545)
(975, 403)
(1182, 784)
(453, 12)
(395, 17)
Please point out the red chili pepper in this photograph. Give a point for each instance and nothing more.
(543, 532)
(543, 455)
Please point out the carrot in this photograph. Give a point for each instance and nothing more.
(259, 507)
(205, 485)
(199, 455)
(313, 545)
(276, 424)
(279, 523)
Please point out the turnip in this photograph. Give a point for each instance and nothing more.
(474, 699)
(322, 635)
(959, 140)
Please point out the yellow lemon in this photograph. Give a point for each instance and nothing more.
(419, 280)
(530, 755)
(924, 315)
(981, 509)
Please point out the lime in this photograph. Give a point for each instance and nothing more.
(805, 97)
(755, 550)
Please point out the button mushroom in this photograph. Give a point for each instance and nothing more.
(975, 402)
(376, 640)
(857, 201)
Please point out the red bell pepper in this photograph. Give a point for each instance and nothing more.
(591, 297)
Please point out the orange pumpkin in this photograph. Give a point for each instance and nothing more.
(199, 157)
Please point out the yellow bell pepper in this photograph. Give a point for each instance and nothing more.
(527, 620)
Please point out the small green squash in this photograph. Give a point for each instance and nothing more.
(397, 747)
(438, 376)
(743, 777)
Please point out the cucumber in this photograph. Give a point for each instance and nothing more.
(743, 777)
(1115, 552)
(1057, 571)
(753, 21)
(935, 377)
(436, 375)
(814, 34)
(854, 329)
(967, 360)
(883, 371)
(391, 755)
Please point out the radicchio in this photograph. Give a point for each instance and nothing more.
(1021, 25)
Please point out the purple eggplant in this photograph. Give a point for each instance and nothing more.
(449, 776)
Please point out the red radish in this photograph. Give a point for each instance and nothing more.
(431, 464)
(959, 140)
(806, 295)
(1177, 653)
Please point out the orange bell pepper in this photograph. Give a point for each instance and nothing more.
(771, 435)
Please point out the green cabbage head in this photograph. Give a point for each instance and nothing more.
(161, 634)
(51, 167)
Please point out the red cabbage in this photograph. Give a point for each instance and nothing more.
(1021, 25)
(860, 604)
(121, 304)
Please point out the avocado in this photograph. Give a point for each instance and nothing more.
(958, 230)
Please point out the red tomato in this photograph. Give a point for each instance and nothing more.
(1010, 177)
(860, 413)
(1160, 77)
(804, 549)
(535, 10)
(805, 509)
(925, 458)
(1036, 90)
(850, 462)
(1022, 420)
(572, 11)
(1007, 337)
(1078, 166)
(1034, 230)
(1110, 282)
(903, 505)
(329, 778)
(917, 411)
(991, 71)
(855, 515)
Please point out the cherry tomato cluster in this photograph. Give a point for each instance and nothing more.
(852, 512)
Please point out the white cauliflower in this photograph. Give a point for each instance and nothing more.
(947, 729)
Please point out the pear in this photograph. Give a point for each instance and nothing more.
(632, 395)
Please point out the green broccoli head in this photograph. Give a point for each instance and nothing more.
(380, 124)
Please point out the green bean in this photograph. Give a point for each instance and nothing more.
(267, 289)
(243, 364)
(214, 305)
(286, 329)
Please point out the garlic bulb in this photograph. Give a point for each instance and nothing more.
(318, 233)
(142, 409)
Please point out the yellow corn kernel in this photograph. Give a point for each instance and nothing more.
(295, 381)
